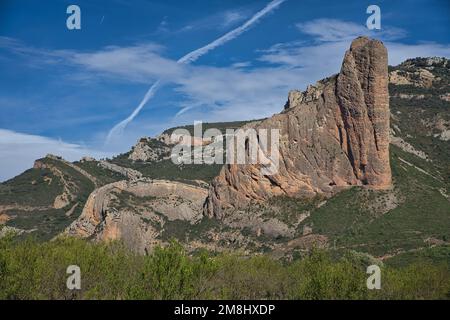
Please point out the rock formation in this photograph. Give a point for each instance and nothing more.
(418, 72)
(38, 164)
(148, 149)
(136, 211)
(333, 135)
(126, 172)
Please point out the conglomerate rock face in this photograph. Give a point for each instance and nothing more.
(136, 211)
(333, 135)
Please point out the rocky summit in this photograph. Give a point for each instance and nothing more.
(332, 136)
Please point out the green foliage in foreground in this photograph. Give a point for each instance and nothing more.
(32, 270)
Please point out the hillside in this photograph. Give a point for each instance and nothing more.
(399, 224)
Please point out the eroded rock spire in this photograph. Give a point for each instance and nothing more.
(333, 135)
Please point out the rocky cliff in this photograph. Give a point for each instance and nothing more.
(137, 211)
(333, 135)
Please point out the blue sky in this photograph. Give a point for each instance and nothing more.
(62, 90)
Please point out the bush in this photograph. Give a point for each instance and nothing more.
(318, 277)
(35, 270)
(170, 274)
(417, 281)
(248, 278)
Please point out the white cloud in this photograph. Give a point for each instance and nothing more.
(399, 52)
(238, 65)
(339, 30)
(318, 59)
(220, 20)
(257, 92)
(232, 17)
(163, 26)
(137, 63)
(19, 150)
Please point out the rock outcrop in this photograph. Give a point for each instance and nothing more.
(419, 78)
(333, 135)
(38, 164)
(126, 172)
(4, 218)
(148, 149)
(137, 211)
(419, 72)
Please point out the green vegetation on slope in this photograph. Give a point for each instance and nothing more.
(166, 169)
(104, 176)
(421, 119)
(33, 193)
(417, 212)
(425, 114)
(78, 181)
(432, 255)
(34, 187)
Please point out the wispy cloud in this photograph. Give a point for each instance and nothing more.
(34, 57)
(339, 30)
(244, 64)
(232, 17)
(329, 38)
(141, 63)
(220, 20)
(163, 26)
(193, 56)
(19, 150)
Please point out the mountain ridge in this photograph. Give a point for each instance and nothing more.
(384, 223)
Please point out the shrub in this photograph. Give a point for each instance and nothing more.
(318, 277)
(170, 274)
(36, 270)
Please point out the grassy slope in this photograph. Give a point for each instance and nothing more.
(417, 118)
(33, 187)
(435, 255)
(349, 221)
(23, 191)
(166, 169)
(104, 176)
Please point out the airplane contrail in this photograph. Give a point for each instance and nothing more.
(194, 55)
(118, 128)
(191, 57)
